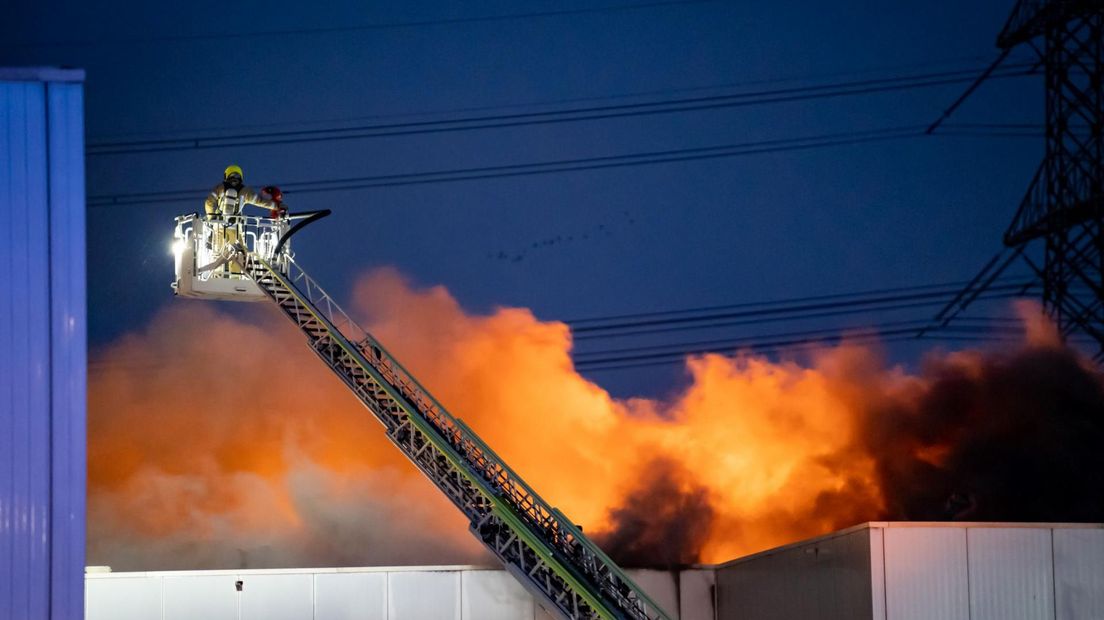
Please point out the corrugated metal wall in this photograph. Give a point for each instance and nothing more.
(42, 344)
(993, 572)
(826, 578)
(360, 594)
(937, 571)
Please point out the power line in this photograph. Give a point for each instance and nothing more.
(565, 115)
(977, 285)
(992, 130)
(763, 348)
(952, 286)
(652, 331)
(253, 34)
(799, 309)
(868, 302)
(239, 127)
(795, 340)
(757, 304)
(537, 168)
(675, 352)
(969, 91)
(715, 345)
(917, 327)
(777, 342)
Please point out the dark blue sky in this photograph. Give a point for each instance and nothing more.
(642, 238)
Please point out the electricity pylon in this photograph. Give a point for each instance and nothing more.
(1063, 209)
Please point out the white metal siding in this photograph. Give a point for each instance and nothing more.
(660, 587)
(1012, 571)
(198, 596)
(124, 599)
(877, 574)
(1079, 573)
(696, 587)
(455, 593)
(936, 571)
(925, 573)
(277, 597)
(494, 595)
(1011, 574)
(350, 596)
(424, 595)
(42, 347)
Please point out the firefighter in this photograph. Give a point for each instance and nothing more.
(224, 207)
(227, 198)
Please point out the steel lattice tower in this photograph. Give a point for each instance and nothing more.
(1064, 205)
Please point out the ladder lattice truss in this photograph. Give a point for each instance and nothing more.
(545, 551)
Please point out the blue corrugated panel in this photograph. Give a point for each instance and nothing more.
(24, 345)
(68, 304)
(42, 350)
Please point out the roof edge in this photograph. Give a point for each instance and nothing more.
(41, 74)
(107, 574)
(872, 525)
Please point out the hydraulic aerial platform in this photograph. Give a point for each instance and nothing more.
(540, 546)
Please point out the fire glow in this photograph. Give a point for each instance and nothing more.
(220, 443)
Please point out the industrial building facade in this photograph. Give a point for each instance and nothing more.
(875, 571)
(411, 593)
(923, 571)
(43, 361)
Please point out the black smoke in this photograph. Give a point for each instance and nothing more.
(1014, 437)
(663, 522)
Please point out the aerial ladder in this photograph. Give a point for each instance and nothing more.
(543, 549)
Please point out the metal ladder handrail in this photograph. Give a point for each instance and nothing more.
(552, 523)
(485, 507)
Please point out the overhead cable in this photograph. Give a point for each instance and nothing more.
(537, 168)
(331, 30)
(563, 115)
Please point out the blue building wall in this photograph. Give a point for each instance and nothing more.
(42, 344)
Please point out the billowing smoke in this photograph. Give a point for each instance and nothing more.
(218, 442)
(994, 438)
(663, 521)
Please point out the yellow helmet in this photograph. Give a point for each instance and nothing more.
(231, 169)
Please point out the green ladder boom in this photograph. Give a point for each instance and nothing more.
(539, 546)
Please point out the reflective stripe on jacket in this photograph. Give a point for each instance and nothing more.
(227, 202)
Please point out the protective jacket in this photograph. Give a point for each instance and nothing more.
(226, 202)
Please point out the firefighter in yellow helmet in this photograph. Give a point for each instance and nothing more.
(227, 198)
(224, 206)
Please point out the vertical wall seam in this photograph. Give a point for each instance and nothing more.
(26, 597)
(8, 428)
(885, 580)
(50, 512)
(1053, 577)
(969, 593)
